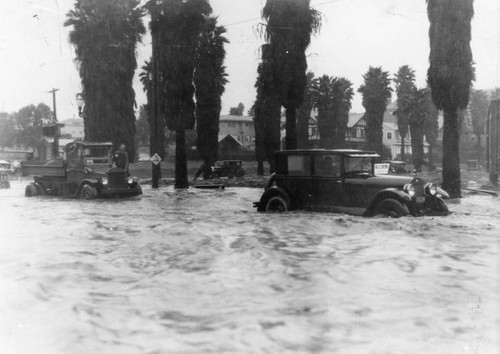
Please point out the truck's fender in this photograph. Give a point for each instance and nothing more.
(271, 192)
(392, 193)
(91, 181)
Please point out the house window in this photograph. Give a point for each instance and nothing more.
(231, 124)
(389, 135)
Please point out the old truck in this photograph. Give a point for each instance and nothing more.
(85, 172)
(493, 141)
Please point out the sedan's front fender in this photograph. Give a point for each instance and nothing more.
(392, 193)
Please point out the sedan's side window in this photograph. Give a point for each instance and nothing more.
(299, 165)
(327, 165)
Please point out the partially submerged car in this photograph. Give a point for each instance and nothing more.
(86, 172)
(4, 174)
(344, 181)
(228, 168)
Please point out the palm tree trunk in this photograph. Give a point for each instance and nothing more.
(402, 148)
(291, 128)
(181, 179)
(451, 157)
(260, 168)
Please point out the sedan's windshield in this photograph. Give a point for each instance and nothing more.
(358, 164)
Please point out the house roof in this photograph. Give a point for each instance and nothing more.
(354, 118)
(232, 118)
(230, 138)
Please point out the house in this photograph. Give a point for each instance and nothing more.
(239, 127)
(72, 128)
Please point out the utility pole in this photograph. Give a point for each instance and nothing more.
(55, 146)
(53, 92)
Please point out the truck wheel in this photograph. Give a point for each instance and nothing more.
(276, 204)
(31, 190)
(391, 208)
(88, 192)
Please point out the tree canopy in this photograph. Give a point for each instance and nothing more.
(376, 92)
(105, 35)
(450, 75)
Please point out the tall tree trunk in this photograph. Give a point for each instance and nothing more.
(273, 134)
(451, 157)
(291, 128)
(303, 127)
(181, 178)
(260, 168)
(431, 157)
(402, 148)
(417, 146)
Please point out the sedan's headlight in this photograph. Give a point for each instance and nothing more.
(430, 189)
(130, 180)
(410, 189)
(104, 181)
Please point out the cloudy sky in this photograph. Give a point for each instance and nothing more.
(35, 55)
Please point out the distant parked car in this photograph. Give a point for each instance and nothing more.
(225, 168)
(344, 181)
(4, 174)
(397, 167)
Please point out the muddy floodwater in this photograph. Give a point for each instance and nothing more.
(200, 271)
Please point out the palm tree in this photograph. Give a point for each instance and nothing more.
(450, 74)
(342, 95)
(176, 26)
(479, 111)
(376, 92)
(290, 24)
(304, 113)
(209, 79)
(431, 127)
(267, 111)
(323, 102)
(105, 35)
(405, 89)
(418, 108)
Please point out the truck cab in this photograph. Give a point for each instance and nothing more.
(84, 171)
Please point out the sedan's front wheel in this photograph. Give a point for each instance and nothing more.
(391, 208)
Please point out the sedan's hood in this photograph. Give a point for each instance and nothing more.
(385, 181)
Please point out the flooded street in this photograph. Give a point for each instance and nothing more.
(200, 271)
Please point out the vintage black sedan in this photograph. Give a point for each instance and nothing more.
(344, 181)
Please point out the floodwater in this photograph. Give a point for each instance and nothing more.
(200, 271)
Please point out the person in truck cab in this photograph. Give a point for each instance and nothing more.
(120, 158)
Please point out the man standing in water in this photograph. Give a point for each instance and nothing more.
(120, 158)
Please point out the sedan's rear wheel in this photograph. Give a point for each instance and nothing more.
(391, 208)
(276, 204)
(88, 192)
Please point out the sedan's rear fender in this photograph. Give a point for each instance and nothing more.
(272, 192)
(270, 181)
(392, 193)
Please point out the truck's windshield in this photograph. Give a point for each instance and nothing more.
(96, 155)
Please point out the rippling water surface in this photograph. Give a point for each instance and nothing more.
(200, 271)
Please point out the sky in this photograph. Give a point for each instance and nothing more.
(35, 55)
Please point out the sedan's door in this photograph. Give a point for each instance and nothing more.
(326, 182)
